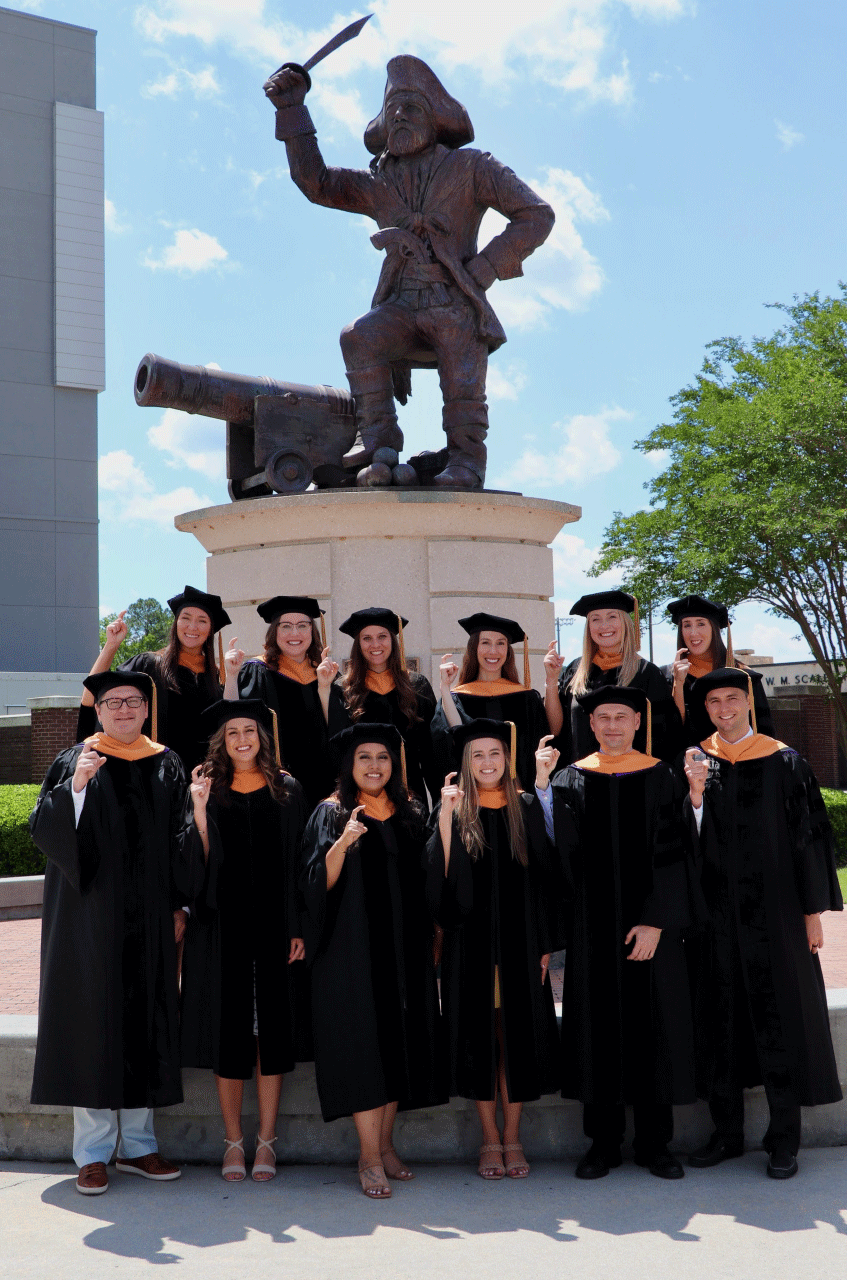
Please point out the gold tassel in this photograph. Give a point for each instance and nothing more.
(400, 642)
(513, 746)
(221, 667)
(730, 652)
(649, 727)
(526, 681)
(276, 737)
(637, 621)
(323, 630)
(403, 765)
(751, 702)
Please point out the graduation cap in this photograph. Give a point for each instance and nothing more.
(385, 734)
(725, 678)
(503, 730)
(191, 598)
(373, 616)
(700, 607)
(620, 695)
(99, 685)
(609, 600)
(271, 610)
(214, 717)
(513, 631)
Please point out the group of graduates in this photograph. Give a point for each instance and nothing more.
(315, 852)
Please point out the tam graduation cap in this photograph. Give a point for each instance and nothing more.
(503, 730)
(620, 695)
(273, 609)
(513, 631)
(374, 616)
(99, 685)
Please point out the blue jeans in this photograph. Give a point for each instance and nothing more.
(96, 1133)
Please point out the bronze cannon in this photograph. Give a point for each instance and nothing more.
(280, 436)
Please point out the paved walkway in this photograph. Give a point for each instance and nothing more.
(20, 941)
(311, 1223)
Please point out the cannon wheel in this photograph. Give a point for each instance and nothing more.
(288, 471)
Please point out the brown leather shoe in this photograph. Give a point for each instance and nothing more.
(93, 1179)
(152, 1166)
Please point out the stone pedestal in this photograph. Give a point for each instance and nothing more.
(434, 557)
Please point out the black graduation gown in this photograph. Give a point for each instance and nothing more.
(303, 733)
(421, 768)
(766, 859)
(494, 912)
(178, 711)
(698, 726)
(576, 741)
(108, 1034)
(524, 708)
(627, 1033)
(375, 1018)
(240, 926)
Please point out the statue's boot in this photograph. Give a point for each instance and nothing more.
(466, 426)
(376, 415)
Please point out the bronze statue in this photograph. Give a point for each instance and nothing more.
(427, 190)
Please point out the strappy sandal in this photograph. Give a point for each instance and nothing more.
(374, 1183)
(264, 1172)
(515, 1168)
(234, 1172)
(491, 1170)
(394, 1166)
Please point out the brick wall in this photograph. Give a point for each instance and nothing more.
(53, 729)
(14, 752)
(807, 723)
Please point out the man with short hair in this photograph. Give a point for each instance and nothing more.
(767, 870)
(108, 820)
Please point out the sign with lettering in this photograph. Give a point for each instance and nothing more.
(778, 676)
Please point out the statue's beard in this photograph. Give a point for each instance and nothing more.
(404, 140)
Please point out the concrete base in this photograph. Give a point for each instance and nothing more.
(193, 1131)
(433, 556)
(21, 897)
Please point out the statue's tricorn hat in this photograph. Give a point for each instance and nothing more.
(409, 75)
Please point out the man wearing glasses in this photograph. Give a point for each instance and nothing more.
(108, 820)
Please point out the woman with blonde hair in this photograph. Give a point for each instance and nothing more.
(609, 657)
(489, 886)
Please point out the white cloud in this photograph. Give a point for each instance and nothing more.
(127, 493)
(577, 449)
(202, 83)
(192, 441)
(191, 251)
(787, 136)
(112, 219)
(505, 382)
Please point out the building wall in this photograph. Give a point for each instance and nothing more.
(51, 342)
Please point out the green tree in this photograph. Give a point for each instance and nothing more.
(148, 628)
(752, 503)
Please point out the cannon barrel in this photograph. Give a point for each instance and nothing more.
(165, 384)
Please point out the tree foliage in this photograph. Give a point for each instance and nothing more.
(752, 503)
(148, 628)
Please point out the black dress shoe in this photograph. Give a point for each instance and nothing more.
(662, 1165)
(597, 1162)
(715, 1151)
(782, 1164)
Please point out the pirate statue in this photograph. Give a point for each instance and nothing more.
(427, 190)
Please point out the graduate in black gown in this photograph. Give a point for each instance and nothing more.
(376, 1022)
(489, 688)
(185, 672)
(489, 878)
(296, 677)
(109, 819)
(609, 657)
(378, 688)
(767, 870)
(244, 936)
(700, 649)
(627, 1034)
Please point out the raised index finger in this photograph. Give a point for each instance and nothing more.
(548, 738)
(449, 776)
(354, 816)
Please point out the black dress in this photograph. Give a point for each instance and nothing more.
(108, 1031)
(698, 726)
(421, 768)
(524, 708)
(494, 913)
(576, 741)
(376, 1022)
(237, 940)
(303, 732)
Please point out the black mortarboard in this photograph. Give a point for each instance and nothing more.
(725, 678)
(507, 627)
(697, 607)
(604, 600)
(274, 608)
(471, 731)
(100, 684)
(349, 739)
(190, 597)
(616, 694)
(373, 617)
(220, 713)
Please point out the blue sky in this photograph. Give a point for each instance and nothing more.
(693, 154)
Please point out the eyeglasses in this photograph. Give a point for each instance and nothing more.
(292, 628)
(115, 704)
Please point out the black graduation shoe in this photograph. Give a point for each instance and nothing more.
(662, 1165)
(714, 1152)
(597, 1162)
(782, 1164)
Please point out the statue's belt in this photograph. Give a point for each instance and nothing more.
(425, 274)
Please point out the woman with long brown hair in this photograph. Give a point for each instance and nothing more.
(244, 932)
(609, 657)
(378, 689)
(490, 878)
(185, 673)
(296, 677)
(489, 687)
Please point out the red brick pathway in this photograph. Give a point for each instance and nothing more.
(20, 939)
